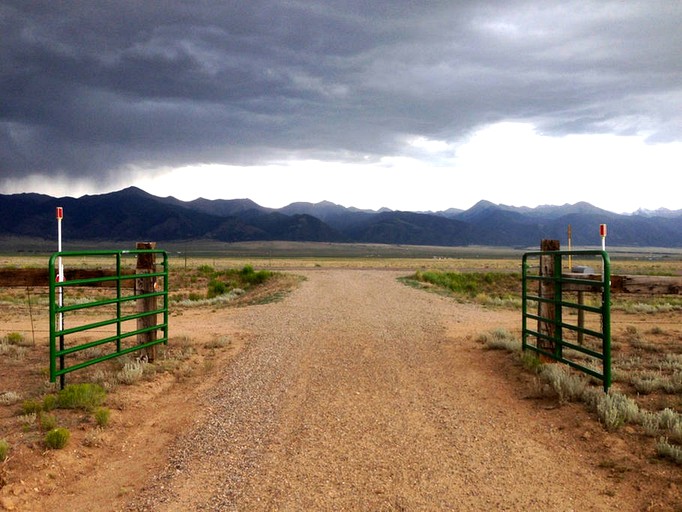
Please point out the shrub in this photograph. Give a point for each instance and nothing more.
(15, 352)
(673, 384)
(15, 338)
(31, 407)
(47, 421)
(81, 396)
(215, 288)
(57, 438)
(4, 450)
(131, 372)
(649, 421)
(530, 361)
(102, 415)
(472, 284)
(615, 409)
(50, 402)
(569, 387)
(249, 276)
(206, 270)
(9, 398)
(667, 419)
(500, 339)
(669, 451)
(648, 383)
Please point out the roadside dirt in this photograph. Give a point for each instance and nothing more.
(355, 392)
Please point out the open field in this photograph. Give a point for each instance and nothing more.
(345, 390)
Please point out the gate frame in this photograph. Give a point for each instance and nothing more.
(56, 310)
(570, 283)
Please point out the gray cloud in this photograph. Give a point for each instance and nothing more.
(88, 88)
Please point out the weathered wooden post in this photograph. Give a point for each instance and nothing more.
(547, 310)
(146, 264)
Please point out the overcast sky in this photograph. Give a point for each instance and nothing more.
(404, 104)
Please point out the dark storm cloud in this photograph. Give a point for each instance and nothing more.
(88, 88)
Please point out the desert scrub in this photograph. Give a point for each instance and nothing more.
(491, 285)
(4, 450)
(47, 421)
(615, 410)
(500, 339)
(9, 398)
(221, 342)
(221, 283)
(131, 372)
(194, 299)
(84, 396)
(57, 438)
(15, 338)
(530, 361)
(12, 351)
(102, 415)
(567, 386)
(666, 450)
(31, 406)
(653, 306)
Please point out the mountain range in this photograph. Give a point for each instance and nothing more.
(132, 214)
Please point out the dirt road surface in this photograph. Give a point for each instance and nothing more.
(357, 392)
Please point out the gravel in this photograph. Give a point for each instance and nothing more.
(359, 393)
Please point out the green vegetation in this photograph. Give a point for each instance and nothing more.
(84, 396)
(220, 285)
(15, 338)
(226, 281)
(102, 415)
(57, 438)
(47, 421)
(487, 288)
(31, 406)
(50, 402)
(4, 450)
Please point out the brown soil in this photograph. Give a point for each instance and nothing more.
(354, 393)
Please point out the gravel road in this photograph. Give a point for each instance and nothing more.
(359, 393)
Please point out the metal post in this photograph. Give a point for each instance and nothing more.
(606, 320)
(60, 279)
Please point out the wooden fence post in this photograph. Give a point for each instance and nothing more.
(146, 264)
(547, 310)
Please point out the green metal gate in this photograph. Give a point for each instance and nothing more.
(111, 307)
(584, 344)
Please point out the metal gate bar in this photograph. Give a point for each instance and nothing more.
(563, 284)
(59, 333)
